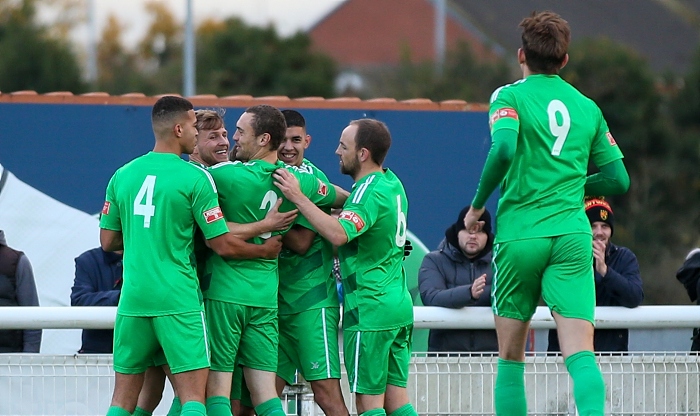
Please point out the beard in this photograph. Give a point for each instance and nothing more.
(351, 168)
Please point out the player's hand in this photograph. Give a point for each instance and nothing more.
(599, 257)
(288, 184)
(478, 286)
(278, 221)
(471, 220)
(407, 248)
(272, 247)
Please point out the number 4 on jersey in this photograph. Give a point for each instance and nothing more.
(147, 209)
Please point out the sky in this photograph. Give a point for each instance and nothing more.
(288, 16)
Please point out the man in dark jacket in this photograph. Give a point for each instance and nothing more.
(98, 282)
(617, 278)
(456, 275)
(689, 276)
(17, 288)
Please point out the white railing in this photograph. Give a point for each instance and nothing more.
(102, 317)
(655, 383)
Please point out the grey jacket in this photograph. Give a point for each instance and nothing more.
(445, 279)
(26, 296)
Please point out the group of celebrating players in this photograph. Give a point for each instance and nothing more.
(227, 265)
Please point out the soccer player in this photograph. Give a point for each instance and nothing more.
(370, 233)
(543, 134)
(309, 311)
(211, 148)
(152, 206)
(241, 299)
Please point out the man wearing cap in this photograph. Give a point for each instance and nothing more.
(456, 275)
(617, 278)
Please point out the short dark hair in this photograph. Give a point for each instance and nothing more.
(169, 107)
(545, 40)
(268, 119)
(374, 136)
(294, 118)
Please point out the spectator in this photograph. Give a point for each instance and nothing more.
(17, 288)
(617, 278)
(689, 275)
(456, 275)
(98, 282)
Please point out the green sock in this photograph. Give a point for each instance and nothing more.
(589, 387)
(175, 407)
(141, 412)
(405, 410)
(117, 411)
(272, 407)
(193, 408)
(374, 412)
(509, 393)
(218, 406)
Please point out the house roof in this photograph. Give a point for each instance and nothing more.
(664, 32)
(371, 32)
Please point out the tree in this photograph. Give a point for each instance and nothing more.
(234, 58)
(464, 77)
(31, 59)
(117, 67)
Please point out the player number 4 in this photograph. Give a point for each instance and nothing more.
(559, 130)
(147, 209)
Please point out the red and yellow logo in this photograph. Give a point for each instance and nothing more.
(503, 113)
(352, 217)
(603, 215)
(213, 214)
(322, 188)
(611, 139)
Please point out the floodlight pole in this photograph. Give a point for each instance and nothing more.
(440, 17)
(189, 54)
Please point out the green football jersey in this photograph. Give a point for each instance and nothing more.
(246, 193)
(371, 262)
(157, 201)
(559, 130)
(306, 281)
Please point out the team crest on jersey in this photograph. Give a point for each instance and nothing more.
(213, 214)
(353, 218)
(105, 208)
(503, 113)
(322, 188)
(611, 139)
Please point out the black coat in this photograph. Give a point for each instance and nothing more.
(445, 279)
(621, 286)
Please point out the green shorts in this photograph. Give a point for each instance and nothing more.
(241, 334)
(182, 338)
(374, 359)
(309, 343)
(560, 269)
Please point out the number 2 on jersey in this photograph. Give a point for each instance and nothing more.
(559, 130)
(147, 209)
(268, 202)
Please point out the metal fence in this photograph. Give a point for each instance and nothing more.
(460, 384)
